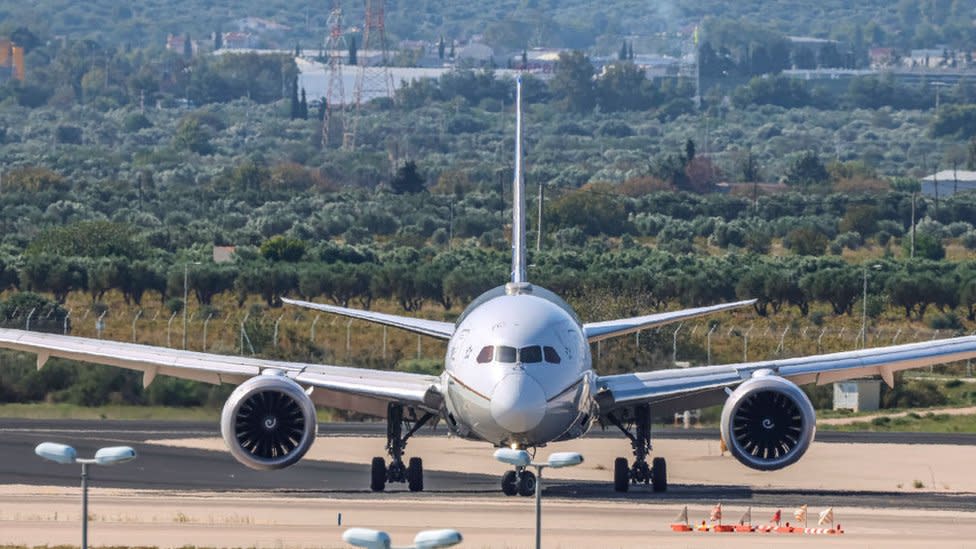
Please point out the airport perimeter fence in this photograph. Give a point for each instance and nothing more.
(290, 334)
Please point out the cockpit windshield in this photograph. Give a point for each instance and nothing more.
(533, 354)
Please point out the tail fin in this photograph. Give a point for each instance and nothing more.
(519, 275)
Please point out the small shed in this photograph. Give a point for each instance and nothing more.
(859, 395)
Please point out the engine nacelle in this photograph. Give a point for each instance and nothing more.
(768, 423)
(268, 422)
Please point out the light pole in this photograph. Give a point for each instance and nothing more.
(375, 539)
(63, 454)
(186, 294)
(864, 307)
(521, 459)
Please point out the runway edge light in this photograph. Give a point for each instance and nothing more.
(58, 453)
(435, 539)
(364, 537)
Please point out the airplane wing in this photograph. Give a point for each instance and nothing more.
(432, 328)
(596, 331)
(682, 388)
(354, 389)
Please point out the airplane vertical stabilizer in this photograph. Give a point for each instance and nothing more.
(519, 275)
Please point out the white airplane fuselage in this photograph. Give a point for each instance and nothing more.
(518, 370)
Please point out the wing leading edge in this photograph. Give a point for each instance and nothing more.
(681, 383)
(354, 389)
(597, 331)
(432, 328)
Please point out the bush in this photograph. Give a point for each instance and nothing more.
(946, 321)
(969, 240)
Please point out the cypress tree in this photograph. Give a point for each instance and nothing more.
(440, 48)
(303, 106)
(296, 107)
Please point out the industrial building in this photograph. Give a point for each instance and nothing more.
(11, 61)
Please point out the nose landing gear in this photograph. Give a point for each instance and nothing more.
(518, 482)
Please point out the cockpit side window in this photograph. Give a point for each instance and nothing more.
(505, 354)
(530, 355)
(552, 356)
(484, 356)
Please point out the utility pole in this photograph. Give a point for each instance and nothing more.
(913, 225)
(538, 236)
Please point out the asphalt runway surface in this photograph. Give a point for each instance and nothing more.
(169, 468)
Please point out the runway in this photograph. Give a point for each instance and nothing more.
(164, 467)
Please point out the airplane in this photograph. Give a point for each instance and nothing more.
(518, 372)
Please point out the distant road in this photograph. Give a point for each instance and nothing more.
(168, 468)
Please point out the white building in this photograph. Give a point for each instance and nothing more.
(860, 395)
(949, 182)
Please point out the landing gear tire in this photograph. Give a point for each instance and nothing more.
(377, 474)
(526, 483)
(415, 475)
(621, 475)
(510, 483)
(659, 475)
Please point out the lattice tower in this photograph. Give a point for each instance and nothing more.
(334, 123)
(374, 80)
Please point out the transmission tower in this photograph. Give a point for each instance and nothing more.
(335, 96)
(375, 79)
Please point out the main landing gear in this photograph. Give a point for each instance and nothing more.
(639, 433)
(396, 442)
(519, 482)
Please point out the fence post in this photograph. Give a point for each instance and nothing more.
(674, 343)
(745, 343)
(782, 337)
(276, 330)
(419, 349)
(348, 337)
(100, 323)
(244, 336)
(206, 323)
(29, 315)
(895, 339)
(65, 331)
(820, 340)
(169, 331)
(134, 319)
(312, 332)
(384, 342)
(708, 345)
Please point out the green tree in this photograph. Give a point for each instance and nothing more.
(283, 248)
(806, 170)
(440, 48)
(572, 82)
(407, 179)
(55, 274)
(187, 46)
(839, 286)
(192, 136)
(354, 52)
(927, 246)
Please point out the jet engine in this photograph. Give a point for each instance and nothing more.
(768, 423)
(268, 422)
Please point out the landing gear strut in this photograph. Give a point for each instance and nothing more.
(639, 434)
(520, 482)
(396, 442)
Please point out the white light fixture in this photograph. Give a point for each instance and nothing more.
(376, 539)
(521, 459)
(66, 455)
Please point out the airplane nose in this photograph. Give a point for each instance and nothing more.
(518, 403)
